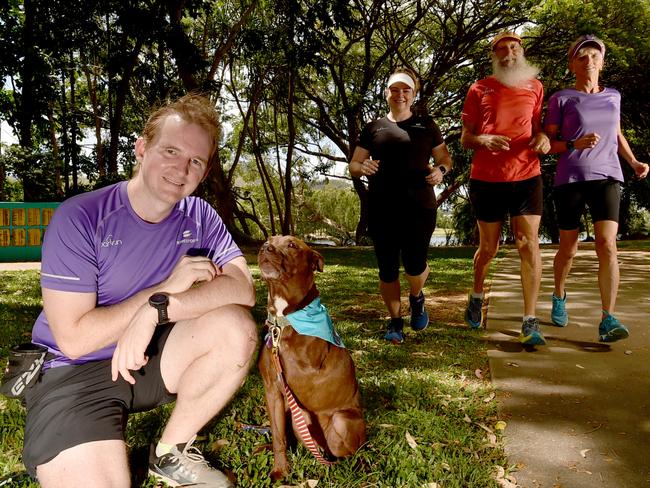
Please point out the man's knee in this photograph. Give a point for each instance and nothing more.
(606, 246)
(239, 332)
(527, 245)
(486, 252)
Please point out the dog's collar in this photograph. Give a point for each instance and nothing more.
(313, 320)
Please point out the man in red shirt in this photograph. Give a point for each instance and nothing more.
(502, 124)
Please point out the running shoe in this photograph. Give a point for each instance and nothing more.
(559, 317)
(474, 312)
(395, 331)
(530, 333)
(419, 316)
(611, 330)
(186, 466)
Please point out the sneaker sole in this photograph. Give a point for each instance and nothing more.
(534, 339)
(614, 335)
(166, 480)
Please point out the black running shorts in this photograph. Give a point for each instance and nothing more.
(72, 405)
(602, 196)
(404, 233)
(492, 202)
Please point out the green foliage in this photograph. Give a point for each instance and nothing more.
(425, 390)
(295, 80)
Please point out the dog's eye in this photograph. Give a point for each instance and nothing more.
(292, 245)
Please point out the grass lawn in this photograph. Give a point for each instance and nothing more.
(429, 403)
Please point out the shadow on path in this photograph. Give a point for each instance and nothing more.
(577, 411)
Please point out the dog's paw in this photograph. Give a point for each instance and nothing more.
(278, 473)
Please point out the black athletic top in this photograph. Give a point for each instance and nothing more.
(403, 150)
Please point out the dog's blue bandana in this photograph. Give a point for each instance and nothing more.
(314, 320)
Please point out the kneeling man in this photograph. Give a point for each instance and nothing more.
(126, 328)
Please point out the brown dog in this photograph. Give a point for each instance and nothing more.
(320, 374)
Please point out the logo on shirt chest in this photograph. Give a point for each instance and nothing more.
(187, 238)
(110, 241)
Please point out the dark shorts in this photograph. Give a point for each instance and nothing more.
(493, 202)
(72, 405)
(602, 196)
(404, 233)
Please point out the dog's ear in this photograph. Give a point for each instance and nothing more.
(317, 260)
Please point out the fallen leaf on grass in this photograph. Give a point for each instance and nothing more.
(305, 484)
(411, 441)
(500, 425)
(387, 426)
(503, 480)
(467, 419)
(431, 485)
(219, 444)
(479, 374)
(492, 439)
(485, 428)
(489, 398)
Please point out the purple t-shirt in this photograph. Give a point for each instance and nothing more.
(96, 243)
(578, 114)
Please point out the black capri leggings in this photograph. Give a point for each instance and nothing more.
(406, 233)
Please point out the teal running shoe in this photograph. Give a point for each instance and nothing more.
(530, 333)
(611, 330)
(559, 316)
(474, 312)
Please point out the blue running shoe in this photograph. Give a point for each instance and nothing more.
(611, 330)
(395, 333)
(474, 312)
(530, 333)
(419, 316)
(559, 317)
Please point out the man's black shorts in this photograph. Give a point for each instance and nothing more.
(72, 405)
(602, 196)
(493, 201)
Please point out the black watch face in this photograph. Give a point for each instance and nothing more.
(158, 299)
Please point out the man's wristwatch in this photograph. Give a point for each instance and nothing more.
(570, 145)
(443, 169)
(160, 301)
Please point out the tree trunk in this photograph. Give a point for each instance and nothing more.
(91, 79)
(120, 101)
(74, 149)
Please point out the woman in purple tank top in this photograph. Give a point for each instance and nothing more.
(583, 123)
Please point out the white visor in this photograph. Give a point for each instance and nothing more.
(401, 77)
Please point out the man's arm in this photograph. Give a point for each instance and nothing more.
(80, 327)
(492, 142)
(540, 142)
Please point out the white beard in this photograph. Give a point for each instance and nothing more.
(517, 74)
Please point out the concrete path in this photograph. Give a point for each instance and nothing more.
(577, 411)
